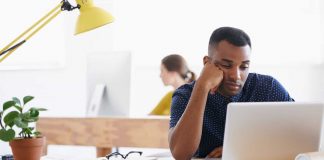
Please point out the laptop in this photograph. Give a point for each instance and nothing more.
(271, 130)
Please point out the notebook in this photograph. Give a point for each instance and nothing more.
(271, 130)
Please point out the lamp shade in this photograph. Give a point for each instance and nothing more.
(91, 17)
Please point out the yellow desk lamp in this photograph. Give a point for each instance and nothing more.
(90, 17)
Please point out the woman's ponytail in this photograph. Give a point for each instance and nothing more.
(190, 76)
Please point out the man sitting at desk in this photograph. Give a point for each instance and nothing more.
(198, 109)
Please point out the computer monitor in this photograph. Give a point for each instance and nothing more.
(108, 83)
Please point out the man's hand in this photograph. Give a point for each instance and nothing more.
(211, 76)
(216, 153)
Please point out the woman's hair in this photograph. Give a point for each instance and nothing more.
(177, 63)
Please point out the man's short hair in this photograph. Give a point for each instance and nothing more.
(234, 36)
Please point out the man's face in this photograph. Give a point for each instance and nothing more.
(234, 61)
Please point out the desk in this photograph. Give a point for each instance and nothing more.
(106, 132)
(142, 158)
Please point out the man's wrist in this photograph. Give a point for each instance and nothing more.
(202, 85)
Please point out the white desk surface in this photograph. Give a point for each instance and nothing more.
(141, 158)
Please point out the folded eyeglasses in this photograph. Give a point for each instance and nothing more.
(119, 155)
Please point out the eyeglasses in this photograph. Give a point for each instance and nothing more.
(118, 155)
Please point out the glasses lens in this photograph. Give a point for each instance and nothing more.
(114, 156)
(133, 155)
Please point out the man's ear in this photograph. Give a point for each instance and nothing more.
(206, 59)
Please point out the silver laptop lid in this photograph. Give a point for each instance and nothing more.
(271, 130)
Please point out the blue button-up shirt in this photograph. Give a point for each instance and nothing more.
(257, 88)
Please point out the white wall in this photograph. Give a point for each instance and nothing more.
(152, 30)
(45, 67)
(59, 83)
(287, 39)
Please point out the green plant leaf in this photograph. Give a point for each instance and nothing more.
(1, 125)
(26, 117)
(20, 123)
(31, 119)
(10, 117)
(40, 109)
(28, 130)
(8, 104)
(33, 112)
(16, 100)
(27, 99)
(37, 133)
(7, 135)
(18, 108)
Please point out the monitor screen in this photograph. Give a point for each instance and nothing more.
(108, 83)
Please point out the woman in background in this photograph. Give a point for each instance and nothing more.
(174, 72)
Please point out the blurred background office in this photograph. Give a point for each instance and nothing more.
(287, 43)
(174, 72)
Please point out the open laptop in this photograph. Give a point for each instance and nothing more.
(271, 130)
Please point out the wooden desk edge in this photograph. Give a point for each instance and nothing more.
(106, 132)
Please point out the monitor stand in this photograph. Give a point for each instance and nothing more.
(96, 99)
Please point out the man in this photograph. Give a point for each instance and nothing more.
(199, 109)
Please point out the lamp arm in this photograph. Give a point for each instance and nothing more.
(48, 17)
(13, 47)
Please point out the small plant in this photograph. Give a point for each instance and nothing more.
(13, 115)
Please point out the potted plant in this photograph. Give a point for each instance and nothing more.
(27, 144)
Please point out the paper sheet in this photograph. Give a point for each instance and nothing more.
(310, 156)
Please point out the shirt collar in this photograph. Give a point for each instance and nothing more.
(237, 97)
(234, 98)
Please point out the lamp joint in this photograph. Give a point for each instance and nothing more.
(66, 6)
